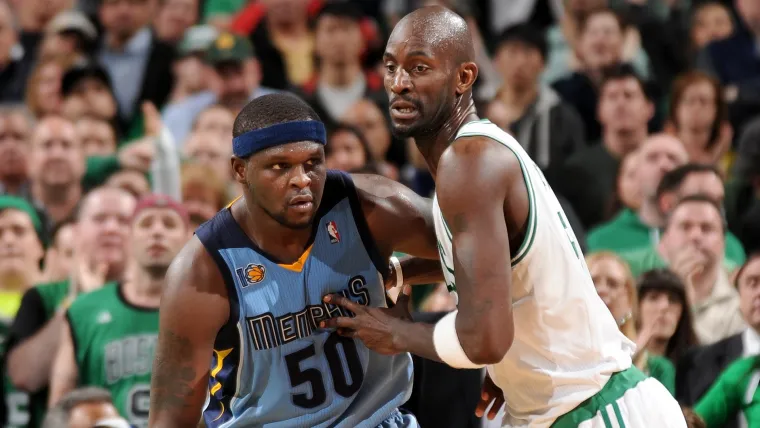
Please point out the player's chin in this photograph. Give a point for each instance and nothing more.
(402, 130)
(299, 220)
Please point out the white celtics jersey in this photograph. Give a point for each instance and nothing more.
(566, 343)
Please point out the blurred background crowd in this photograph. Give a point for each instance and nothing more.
(643, 114)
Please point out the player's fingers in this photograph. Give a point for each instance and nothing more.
(497, 403)
(482, 406)
(340, 322)
(335, 299)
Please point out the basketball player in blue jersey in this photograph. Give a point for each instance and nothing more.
(527, 307)
(239, 336)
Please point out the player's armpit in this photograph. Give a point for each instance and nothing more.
(65, 372)
(399, 219)
(475, 177)
(194, 307)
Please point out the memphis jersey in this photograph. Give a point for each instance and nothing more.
(566, 343)
(272, 365)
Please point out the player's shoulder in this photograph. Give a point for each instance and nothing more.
(478, 157)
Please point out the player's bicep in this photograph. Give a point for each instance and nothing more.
(194, 307)
(472, 187)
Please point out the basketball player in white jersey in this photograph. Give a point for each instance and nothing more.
(536, 323)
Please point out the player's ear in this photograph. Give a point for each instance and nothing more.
(238, 169)
(467, 74)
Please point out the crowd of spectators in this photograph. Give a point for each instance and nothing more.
(644, 116)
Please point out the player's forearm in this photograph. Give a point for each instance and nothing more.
(178, 382)
(418, 271)
(30, 362)
(417, 338)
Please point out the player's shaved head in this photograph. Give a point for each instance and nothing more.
(441, 29)
(430, 70)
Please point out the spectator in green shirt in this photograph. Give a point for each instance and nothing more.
(687, 180)
(735, 391)
(629, 230)
(617, 288)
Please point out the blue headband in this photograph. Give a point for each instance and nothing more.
(259, 139)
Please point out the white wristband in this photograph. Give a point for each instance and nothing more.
(447, 344)
(397, 267)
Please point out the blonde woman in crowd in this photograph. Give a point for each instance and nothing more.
(617, 288)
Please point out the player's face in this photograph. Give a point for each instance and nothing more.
(420, 83)
(662, 310)
(157, 236)
(749, 293)
(285, 181)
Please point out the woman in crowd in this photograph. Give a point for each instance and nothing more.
(43, 91)
(616, 287)
(664, 313)
(627, 190)
(348, 150)
(699, 117)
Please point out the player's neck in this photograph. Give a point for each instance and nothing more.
(339, 75)
(434, 144)
(283, 243)
(619, 143)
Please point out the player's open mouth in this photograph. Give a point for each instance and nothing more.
(403, 110)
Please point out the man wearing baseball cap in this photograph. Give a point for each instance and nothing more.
(236, 71)
(123, 316)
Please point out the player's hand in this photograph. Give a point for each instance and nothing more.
(490, 393)
(375, 327)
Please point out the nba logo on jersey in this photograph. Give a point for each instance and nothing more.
(332, 230)
(254, 274)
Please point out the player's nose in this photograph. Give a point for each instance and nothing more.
(300, 177)
(401, 82)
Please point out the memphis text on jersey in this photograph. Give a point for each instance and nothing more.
(270, 331)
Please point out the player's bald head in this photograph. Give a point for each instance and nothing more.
(441, 30)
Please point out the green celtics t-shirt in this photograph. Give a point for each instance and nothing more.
(114, 344)
(735, 390)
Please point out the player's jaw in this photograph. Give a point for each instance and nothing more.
(405, 116)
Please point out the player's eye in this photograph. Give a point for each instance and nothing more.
(390, 68)
(279, 166)
(420, 68)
